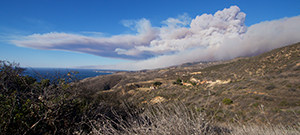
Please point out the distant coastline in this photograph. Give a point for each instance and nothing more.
(102, 71)
(37, 73)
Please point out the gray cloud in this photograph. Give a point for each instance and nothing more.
(208, 37)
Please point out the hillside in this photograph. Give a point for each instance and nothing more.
(268, 82)
(253, 95)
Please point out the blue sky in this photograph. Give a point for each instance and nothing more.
(130, 34)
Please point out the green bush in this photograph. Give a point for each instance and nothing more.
(106, 87)
(284, 103)
(58, 105)
(157, 83)
(256, 97)
(271, 87)
(227, 101)
(193, 83)
(178, 81)
(31, 107)
(255, 104)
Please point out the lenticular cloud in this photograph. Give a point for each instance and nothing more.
(205, 38)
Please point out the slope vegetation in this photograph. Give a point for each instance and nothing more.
(261, 89)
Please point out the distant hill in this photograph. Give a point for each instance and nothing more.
(259, 89)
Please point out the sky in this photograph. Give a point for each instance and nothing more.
(142, 34)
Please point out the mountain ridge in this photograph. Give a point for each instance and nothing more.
(269, 81)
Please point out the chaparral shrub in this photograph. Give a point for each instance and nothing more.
(227, 101)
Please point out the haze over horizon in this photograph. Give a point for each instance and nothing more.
(217, 35)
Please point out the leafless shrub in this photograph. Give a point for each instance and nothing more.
(159, 119)
(178, 119)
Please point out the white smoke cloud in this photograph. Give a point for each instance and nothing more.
(208, 37)
(106, 47)
(182, 20)
(205, 30)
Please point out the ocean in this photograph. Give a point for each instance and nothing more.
(50, 73)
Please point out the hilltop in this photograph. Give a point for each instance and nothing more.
(262, 89)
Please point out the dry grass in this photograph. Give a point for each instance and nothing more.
(159, 119)
(263, 130)
(177, 119)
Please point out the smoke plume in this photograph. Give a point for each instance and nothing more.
(207, 37)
